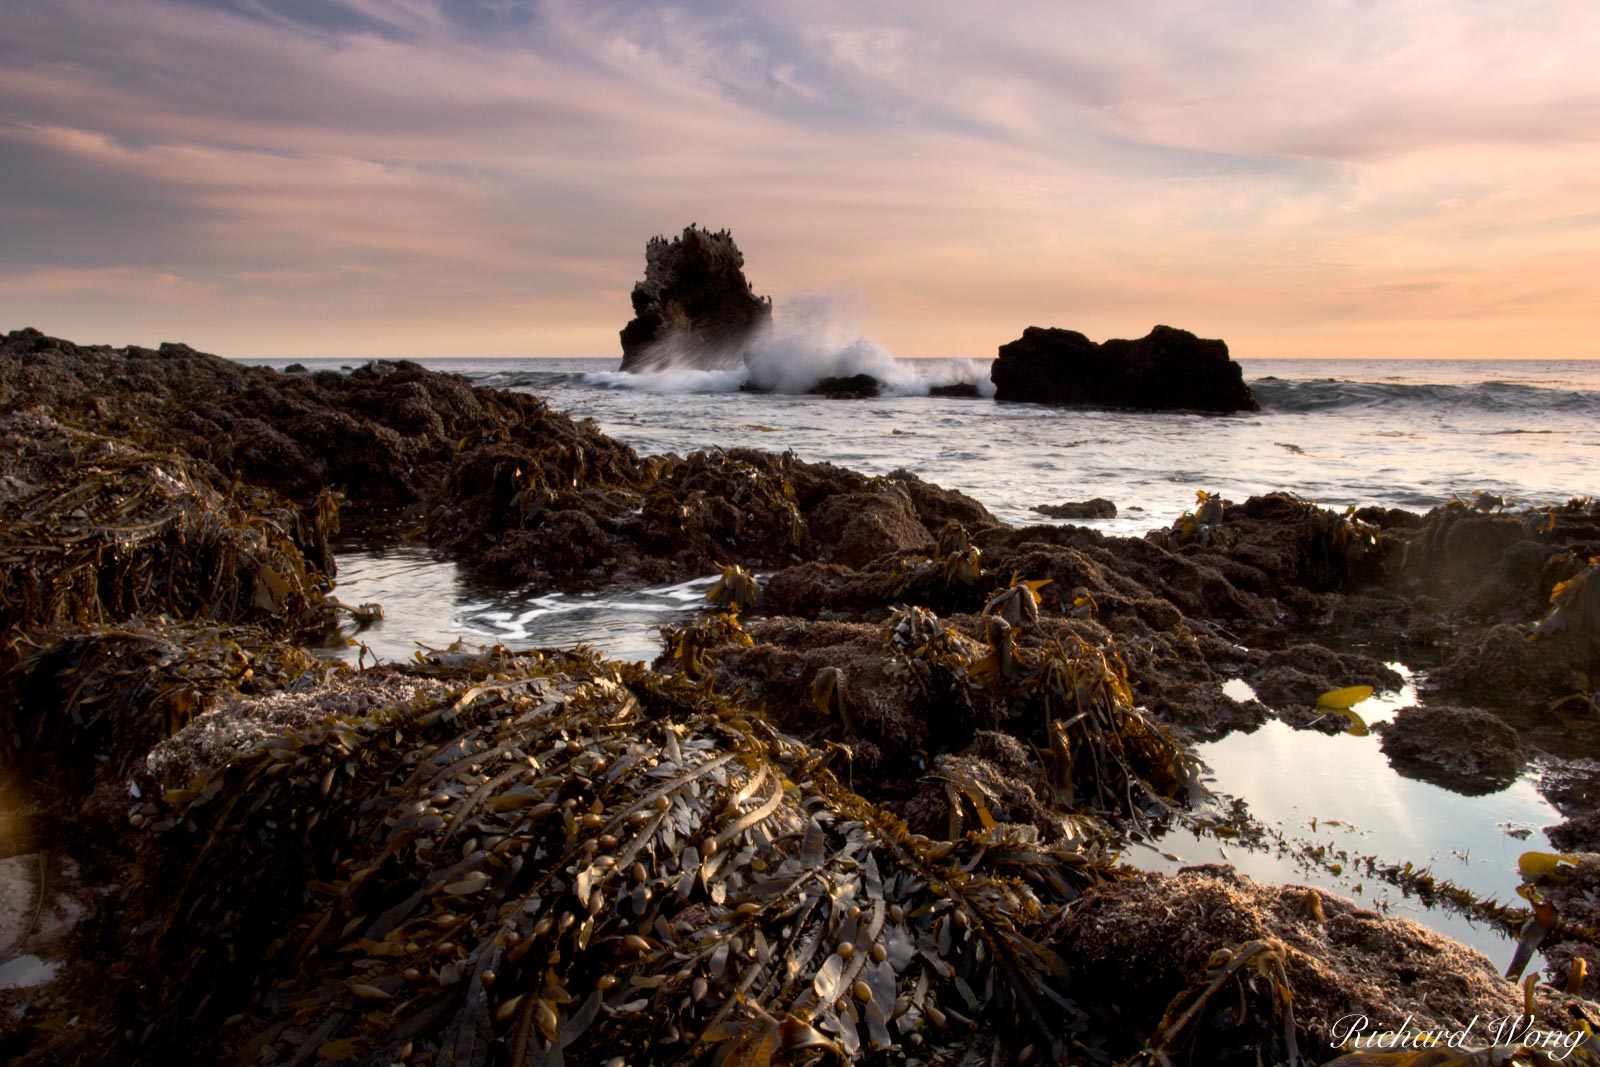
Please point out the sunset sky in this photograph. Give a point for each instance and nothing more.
(359, 178)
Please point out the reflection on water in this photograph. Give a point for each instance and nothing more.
(1338, 792)
(433, 602)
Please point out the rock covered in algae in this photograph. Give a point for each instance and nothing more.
(554, 858)
(1469, 750)
(95, 529)
(1153, 936)
(93, 701)
(1096, 508)
(385, 435)
(694, 308)
(1166, 369)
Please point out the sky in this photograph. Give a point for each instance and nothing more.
(425, 178)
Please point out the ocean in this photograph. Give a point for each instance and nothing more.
(1394, 433)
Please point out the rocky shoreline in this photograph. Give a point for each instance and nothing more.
(850, 803)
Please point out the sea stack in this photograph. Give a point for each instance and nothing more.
(694, 308)
(1164, 370)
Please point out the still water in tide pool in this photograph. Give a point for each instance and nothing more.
(429, 603)
(1336, 791)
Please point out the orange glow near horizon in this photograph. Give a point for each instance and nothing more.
(421, 179)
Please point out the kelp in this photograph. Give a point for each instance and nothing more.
(1259, 1007)
(95, 700)
(94, 530)
(568, 859)
(1068, 698)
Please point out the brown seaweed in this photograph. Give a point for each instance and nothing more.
(562, 859)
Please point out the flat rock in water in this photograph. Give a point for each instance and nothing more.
(956, 390)
(1098, 508)
(1166, 369)
(853, 387)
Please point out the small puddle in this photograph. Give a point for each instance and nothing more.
(1338, 793)
(427, 601)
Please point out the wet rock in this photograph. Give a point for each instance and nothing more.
(694, 308)
(1097, 508)
(1581, 833)
(1558, 961)
(1576, 896)
(42, 897)
(296, 368)
(1301, 673)
(1465, 749)
(860, 527)
(1572, 786)
(956, 390)
(1166, 369)
(1502, 663)
(854, 387)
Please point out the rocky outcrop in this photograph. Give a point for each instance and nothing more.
(1166, 369)
(695, 307)
(852, 387)
(1097, 508)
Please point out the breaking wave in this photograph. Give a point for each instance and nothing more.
(814, 342)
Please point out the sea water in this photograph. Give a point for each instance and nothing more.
(1394, 433)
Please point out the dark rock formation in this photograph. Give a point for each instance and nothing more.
(695, 307)
(1166, 369)
(956, 390)
(855, 387)
(1098, 508)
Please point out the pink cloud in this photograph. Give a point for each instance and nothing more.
(1244, 169)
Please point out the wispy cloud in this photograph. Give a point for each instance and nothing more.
(421, 177)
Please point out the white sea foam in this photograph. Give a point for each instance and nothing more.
(816, 337)
(670, 379)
